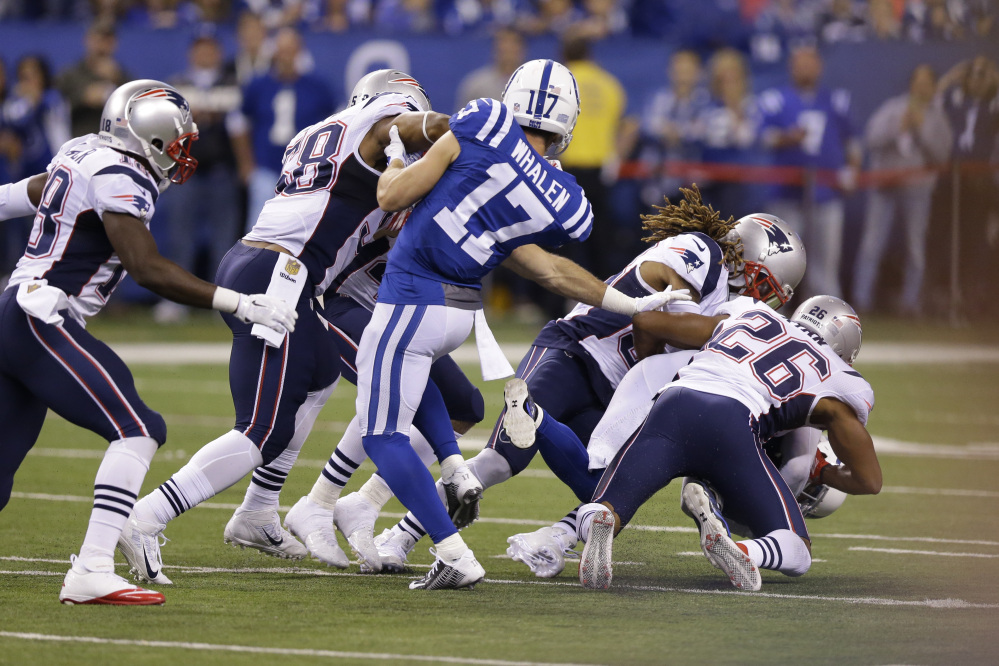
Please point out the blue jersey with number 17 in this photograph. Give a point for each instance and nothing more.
(497, 195)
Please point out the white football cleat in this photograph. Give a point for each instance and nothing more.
(313, 524)
(522, 416)
(540, 550)
(596, 565)
(82, 586)
(463, 493)
(464, 571)
(261, 530)
(716, 544)
(394, 547)
(355, 517)
(140, 543)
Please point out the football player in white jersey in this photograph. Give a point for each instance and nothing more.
(91, 225)
(307, 237)
(592, 350)
(757, 374)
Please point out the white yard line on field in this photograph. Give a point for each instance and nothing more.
(257, 649)
(902, 551)
(303, 571)
(542, 523)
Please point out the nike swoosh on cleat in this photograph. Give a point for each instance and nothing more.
(271, 540)
(149, 569)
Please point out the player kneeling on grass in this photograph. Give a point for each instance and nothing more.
(91, 225)
(757, 374)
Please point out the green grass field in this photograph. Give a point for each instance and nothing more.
(908, 576)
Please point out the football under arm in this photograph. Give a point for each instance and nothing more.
(860, 471)
(401, 186)
(136, 248)
(22, 198)
(683, 330)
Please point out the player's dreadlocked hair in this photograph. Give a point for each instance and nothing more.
(692, 214)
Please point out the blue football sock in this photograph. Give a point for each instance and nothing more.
(567, 457)
(432, 420)
(411, 482)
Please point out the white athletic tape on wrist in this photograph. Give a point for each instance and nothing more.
(225, 300)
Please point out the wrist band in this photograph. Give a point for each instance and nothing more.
(425, 115)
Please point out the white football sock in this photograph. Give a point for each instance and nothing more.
(781, 550)
(116, 487)
(585, 519)
(451, 548)
(376, 491)
(450, 465)
(218, 465)
(490, 468)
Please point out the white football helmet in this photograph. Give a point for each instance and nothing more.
(151, 119)
(542, 94)
(774, 259)
(819, 500)
(834, 321)
(389, 80)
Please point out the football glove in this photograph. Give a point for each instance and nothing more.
(818, 464)
(267, 310)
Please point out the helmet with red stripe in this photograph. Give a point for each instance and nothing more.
(834, 321)
(389, 80)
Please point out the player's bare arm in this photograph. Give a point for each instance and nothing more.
(659, 276)
(137, 249)
(401, 186)
(683, 330)
(860, 471)
(417, 130)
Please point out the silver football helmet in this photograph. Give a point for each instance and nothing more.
(774, 259)
(542, 94)
(819, 500)
(834, 321)
(389, 80)
(151, 119)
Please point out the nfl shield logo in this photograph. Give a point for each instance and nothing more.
(292, 267)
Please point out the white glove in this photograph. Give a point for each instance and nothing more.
(615, 301)
(660, 299)
(395, 150)
(267, 310)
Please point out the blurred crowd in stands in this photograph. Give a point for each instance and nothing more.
(796, 150)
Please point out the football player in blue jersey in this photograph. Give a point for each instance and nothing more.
(94, 208)
(317, 231)
(757, 374)
(486, 195)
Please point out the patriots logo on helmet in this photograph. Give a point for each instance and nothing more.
(779, 242)
(690, 259)
(169, 94)
(410, 81)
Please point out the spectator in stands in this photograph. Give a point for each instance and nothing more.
(727, 129)
(932, 21)
(277, 13)
(882, 21)
(254, 50)
(667, 126)
(906, 132)
(603, 19)
(275, 107)
(37, 113)
(807, 125)
(509, 53)
(592, 157)
(968, 95)
(11, 236)
(405, 16)
(842, 22)
(203, 216)
(342, 15)
(551, 17)
(482, 16)
(780, 26)
(87, 84)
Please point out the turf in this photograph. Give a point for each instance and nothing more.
(665, 606)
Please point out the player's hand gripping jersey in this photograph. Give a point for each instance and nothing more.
(776, 368)
(68, 246)
(607, 337)
(498, 194)
(325, 211)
